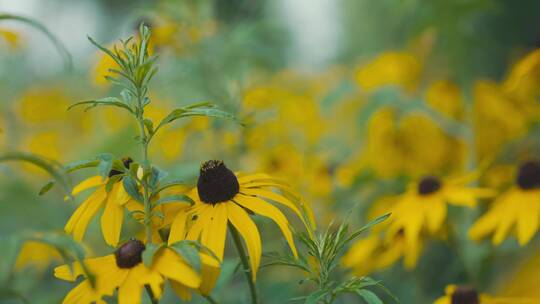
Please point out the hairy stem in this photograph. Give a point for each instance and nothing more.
(245, 263)
(146, 166)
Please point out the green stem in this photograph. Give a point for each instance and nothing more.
(151, 295)
(210, 299)
(247, 268)
(146, 167)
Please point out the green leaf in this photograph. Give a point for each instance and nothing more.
(149, 252)
(81, 164)
(316, 296)
(367, 226)
(149, 126)
(157, 176)
(170, 184)
(48, 186)
(9, 246)
(200, 109)
(107, 101)
(174, 198)
(189, 253)
(53, 168)
(369, 297)
(131, 188)
(201, 248)
(105, 164)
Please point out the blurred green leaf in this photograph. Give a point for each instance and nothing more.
(189, 253)
(48, 186)
(369, 296)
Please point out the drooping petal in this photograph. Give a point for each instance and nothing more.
(435, 212)
(181, 291)
(111, 221)
(213, 237)
(248, 230)
(88, 183)
(203, 214)
(178, 228)
(170, 265)
(527, 220)
(274, 197)
(130, 291)
(83, 293)
(80, 219)
(265, 209)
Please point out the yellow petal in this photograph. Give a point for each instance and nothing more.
(80, 219)
(213, 236)
(485, 224)
(274, 197)
(265, 209)
(111, 222)
(170, 265)
(130, 291)
(248, 230)
(204, 213)
(505, 223)
(178, 228)
(527, 221)
(435, 212)
(120, 194)
(82, 293)
(181, 291)
(88, 183)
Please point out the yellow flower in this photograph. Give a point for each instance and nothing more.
(12, 38)
(124, 270)
(498, 118)
(113, 202)
(445, 97)
(523, 282)
(422, 209)
(41, 105)
(524, 77)
(374, 253)
(36, 254)
(391, 68)
(223, 197)
(518, 209)
(412, 145)
(467, 295)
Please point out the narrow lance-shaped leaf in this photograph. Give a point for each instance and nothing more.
(107, 101)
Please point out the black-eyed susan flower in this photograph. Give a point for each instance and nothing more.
(374, 253)
(422, 209)
(223, 197)
(517, 210)
(125, 271)
(455, 294)
(113, 203)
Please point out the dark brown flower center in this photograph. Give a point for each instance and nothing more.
(428, 185)
(126, 161)
(216, 182)
(465, 295)
(129, 254)
(529, 175)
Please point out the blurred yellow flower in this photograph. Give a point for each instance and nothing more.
(445, 97)
(392, 68)
(518, 209)
(412, 145)
(422, 209)
(524, 77)
(373, 254)
(36, 254)
(468, 295)
(498, 117)
(124, 270)
(11, 37)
